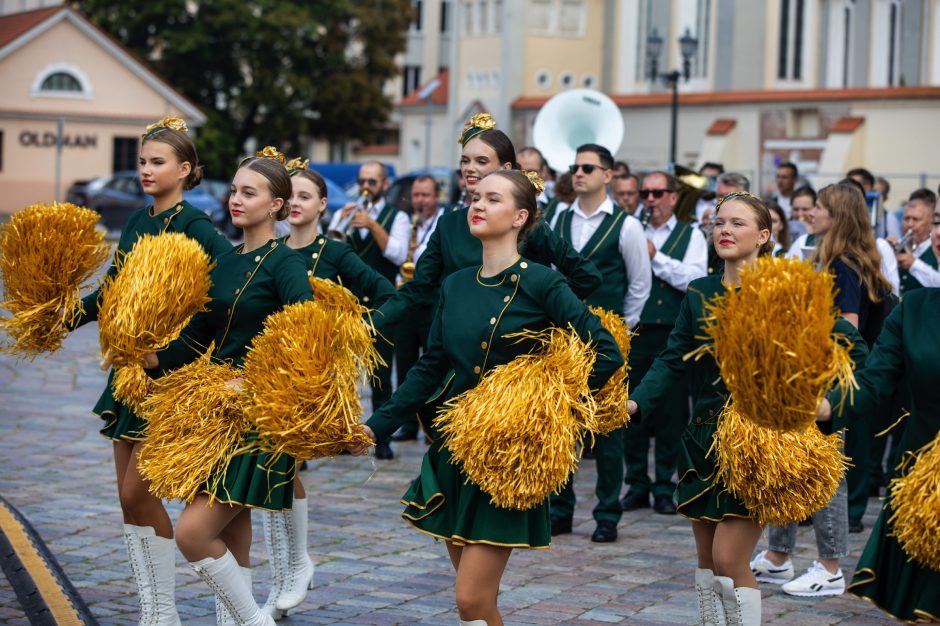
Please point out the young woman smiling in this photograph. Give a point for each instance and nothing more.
(167, 166)
(248, 284)
(724, 530)
(479, 306)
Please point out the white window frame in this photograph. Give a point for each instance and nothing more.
(879, 71)
(62, 68)
(840, 63)
(808, 48)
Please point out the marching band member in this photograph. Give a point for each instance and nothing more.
(167, 166)
(918, 261)
(285, 531)
(506, 294)
(614, 240)
(249, 283)
(379, 235)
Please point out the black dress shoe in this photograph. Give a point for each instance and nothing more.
(633, 501)
(664, 505)
(605, 532)
(856, 525)
(405, 435)
(383, 451)
(560, 525)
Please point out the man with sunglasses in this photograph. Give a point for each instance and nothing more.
(380, 236)
(678, 255)
(607, 235)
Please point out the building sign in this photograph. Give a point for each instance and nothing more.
(36, 139)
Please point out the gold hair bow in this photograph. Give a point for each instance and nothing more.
(170, 121)
(270, 152)
(297, 164)
(476, 125)
(536, 180)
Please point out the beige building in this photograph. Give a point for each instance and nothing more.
(56, 68)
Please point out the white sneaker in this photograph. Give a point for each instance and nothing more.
(767, 572)
(817, 581)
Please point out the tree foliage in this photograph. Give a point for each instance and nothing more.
(274, 70)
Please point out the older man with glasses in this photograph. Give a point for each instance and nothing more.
(380, 235)
(678, 254)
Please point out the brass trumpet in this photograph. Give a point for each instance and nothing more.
(344, 228)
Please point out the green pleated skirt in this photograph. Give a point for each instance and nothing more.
(699, 497)
(257, 480)
(886, 577)
(120, 423)
(443, 504)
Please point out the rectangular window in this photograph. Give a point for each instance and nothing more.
(798, 41)
(124, 154)
(702, 32)
(784, 39)
(416, 22)
(540, 17)
(571, 18)
(484, 12)
(410, 79)
(445, 16)
(892, 44)
(497, 16)
(846, 45)
(467, 17)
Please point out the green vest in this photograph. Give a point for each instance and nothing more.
(548, 211)
(662, 307)
(369, 252)
(908, 282)
(603, 249)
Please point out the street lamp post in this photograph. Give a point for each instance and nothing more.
(688, 45)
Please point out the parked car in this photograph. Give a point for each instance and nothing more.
(399, 192)
(81, 191)
(121, 194)
(221, 190)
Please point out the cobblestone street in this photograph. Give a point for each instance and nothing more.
(371, 567)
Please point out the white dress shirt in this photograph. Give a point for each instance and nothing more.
(799, 250)
(399, 236)
(925, 275)
(631, 245)
(694, 263)
(784, 203)
(889, 264)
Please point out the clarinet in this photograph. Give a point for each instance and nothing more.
(904, 244)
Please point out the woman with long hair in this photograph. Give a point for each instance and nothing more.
(779, 229)
(725, 530)
(167, 166)
(480, 309)
(249, 283)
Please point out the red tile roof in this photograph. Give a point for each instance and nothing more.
(380, 149)
(16, 24)
(847, 124)
(438, 96)
(721, 127)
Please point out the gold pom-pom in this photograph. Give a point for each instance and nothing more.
(195, 425)
(48, 252)
(774, 345)
(159, 285)
(301, 375)
(780, 477)
(915, 499)
(612, 398)
(515, 432)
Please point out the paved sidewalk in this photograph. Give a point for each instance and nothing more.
(371, 567)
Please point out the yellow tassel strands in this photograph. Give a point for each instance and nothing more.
(301, 376)
(515, 432)
(195, 426)
(773, 342)
(160, 284)
(48, 252)
(915, 499)
(781, 477)
(612, 398)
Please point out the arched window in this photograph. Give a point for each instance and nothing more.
(60, 81)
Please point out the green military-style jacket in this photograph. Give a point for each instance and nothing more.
(336, 261)
(181, 218)
(451, 247)
(468, 334)
(908, 282)
(246, 288)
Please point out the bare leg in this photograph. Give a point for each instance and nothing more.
(704, 533)
(122, 456)
(200, 527)
(144, 508)
(237, 536)
(454, 552)
(478, 574)
(735, 540)
(299, 491)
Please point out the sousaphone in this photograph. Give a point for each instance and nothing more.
(573, 118)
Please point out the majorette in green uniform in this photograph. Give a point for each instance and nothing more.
(906, 352)
(120, 422)
(337, 262)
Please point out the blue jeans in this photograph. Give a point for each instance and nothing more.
(830, 523)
